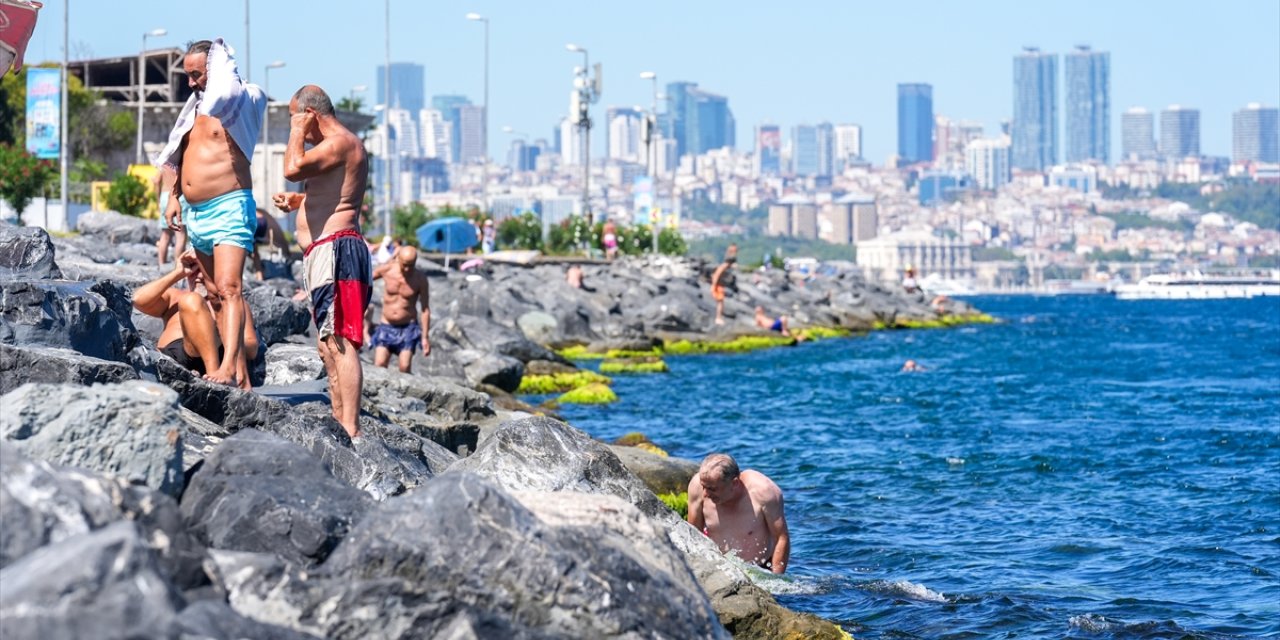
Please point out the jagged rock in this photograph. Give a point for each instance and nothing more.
(392, 578)
(661, 474)
(545, 368)
(129, 430)
(20, 365)
(440, 398)
(26, 252)
(435, 456)
(259, 492)
(538, 326)
(61, 314)
(288, 363)
(213, 620)
(277, 317)
(42, 504)
(116, 228)
(459, 438)
(104, 584)
(478, 334)
(482, 367)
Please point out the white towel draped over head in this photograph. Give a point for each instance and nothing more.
(238, 106)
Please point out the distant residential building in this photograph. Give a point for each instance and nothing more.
(1137, 134)
(449, 107)
(915, 123)
(1080, 177)
(698, 121)
(1035, 110)
(1179, 132)
(938, 187)
(793, 216)
(950, 140)
(987, 160)
(472, 137)
(1255, 136)
(768, 156)
(436, 135)
(848, 145)
(1088, 105)
(884, 259)
(407, 79)
(622, 135)
(570, 143)
(850, 219)
(523, 156)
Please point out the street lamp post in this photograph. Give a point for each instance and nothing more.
(266, 130)
(484, 180)
(386, 124)
(584, 124)
(351, 97)
(651, 151)
(142, 84)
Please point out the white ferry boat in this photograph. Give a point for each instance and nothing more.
(1198, 286)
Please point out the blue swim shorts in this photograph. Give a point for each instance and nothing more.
(406, 337)
(230, 218)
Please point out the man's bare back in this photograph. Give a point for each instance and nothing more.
(334, 184)
(742, 513)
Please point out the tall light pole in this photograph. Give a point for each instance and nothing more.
(142, 82)
(651, 152)
(62, 131)
(386, 124)
(584, 124)
(266, 131)
(351, 97)
(484, 180)
(247, 65)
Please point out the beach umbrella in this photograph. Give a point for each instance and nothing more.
(447, 235)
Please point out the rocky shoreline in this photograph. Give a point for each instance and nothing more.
(140, 501)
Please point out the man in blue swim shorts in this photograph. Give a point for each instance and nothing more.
(209, 148)
(400, 331)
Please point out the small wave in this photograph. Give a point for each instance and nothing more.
(783, 586)
(954, 461)
(906, 589)
(1090, 622)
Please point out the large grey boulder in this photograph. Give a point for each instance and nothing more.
(101, 585)
(259, 492)
(288, 363)
(43, 504)
(517, 576)
(483, 367)
(26, 252)
(276, 317)
(439, 398)
(662, 474)
(20, 365)
(214, 620)
(71, 315)
(116, 228)
(130, 430)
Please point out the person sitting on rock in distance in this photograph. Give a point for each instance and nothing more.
(742, 512)
(400, 331)
(778, 324)
(190, 336)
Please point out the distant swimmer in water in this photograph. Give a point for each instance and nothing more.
(912, 365)
(742, 512)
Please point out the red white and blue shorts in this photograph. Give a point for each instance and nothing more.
(338, 271)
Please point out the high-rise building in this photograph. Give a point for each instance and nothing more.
(987, 160)
(436, 135)
(915, 123)
(950, 138)
(812, 149)
(1088, 105)
(570, 142)
(698, 121)
(848, 145)
(1254, 134)
(472, 137)
(1179, 132)
(622, 134)
(407, 80)
(1137, 134)
(768, 149)
(449, 107)
(1035, 110)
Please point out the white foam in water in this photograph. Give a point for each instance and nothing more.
(907, 589)
(954, 461)
(1091, 622)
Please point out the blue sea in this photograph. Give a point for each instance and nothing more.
(1086, 468)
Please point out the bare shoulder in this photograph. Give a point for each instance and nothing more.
(760, 486)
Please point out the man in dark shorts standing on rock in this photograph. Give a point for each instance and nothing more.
(336, 264)
(212, 199)
(402, 330)
(189, 335)
(742, 512)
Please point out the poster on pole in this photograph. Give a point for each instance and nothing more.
(642, 193)
(44, 103)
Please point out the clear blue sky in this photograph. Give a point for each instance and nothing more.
(783, 62)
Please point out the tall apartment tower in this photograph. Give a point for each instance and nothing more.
(1254, 134)
(1088, 105)
(768, 158)
(1035, 110)
(472, 136)
(1137, 134)
(450, 108)
(848, 145)
(987, 160)
(915, 122)
(1179, 132)
(699, 121)
(407, 80)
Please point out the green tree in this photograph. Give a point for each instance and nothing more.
(349, 104)
(570, 236)
(127, 195)
(521, 232)
(22, 176)
(406, 220)
(671, 242)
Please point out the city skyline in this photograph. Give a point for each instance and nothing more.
(745, 55)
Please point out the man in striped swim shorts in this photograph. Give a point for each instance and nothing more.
(337, 268)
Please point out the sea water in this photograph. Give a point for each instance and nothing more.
(1087, 467)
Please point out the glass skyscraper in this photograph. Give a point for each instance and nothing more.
(1088, 105)
(1137, 135)
(804, 150)
(1254, 134)
(915, 123)
(406, 86)
(768, 149)
(450, 107)
(1179, 132)
(700, 121)
(1035, 110)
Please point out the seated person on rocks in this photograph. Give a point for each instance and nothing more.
(400, 331)
(190, 336)
(742, 512)
(270, 234)
(778, 324)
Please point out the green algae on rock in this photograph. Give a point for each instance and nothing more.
(595, 393)
(634, 365)
(539, 384)
(739, 344)
(822, 333)
(678, 502)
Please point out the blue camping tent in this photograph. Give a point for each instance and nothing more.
(447, 235)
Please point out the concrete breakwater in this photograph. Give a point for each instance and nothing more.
(141, 501)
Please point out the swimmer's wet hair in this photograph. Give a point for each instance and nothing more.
(312, 96)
